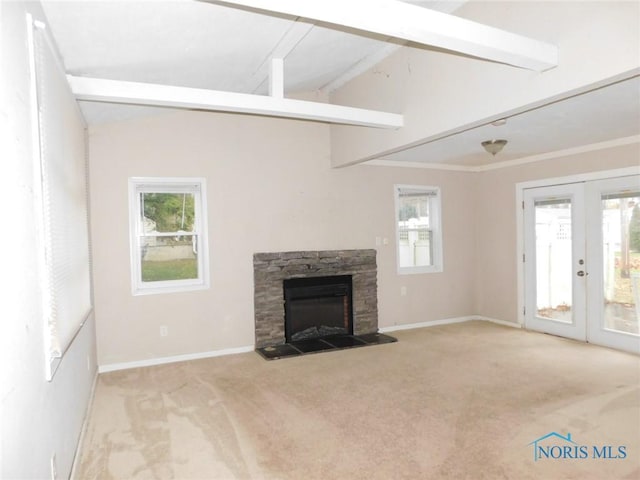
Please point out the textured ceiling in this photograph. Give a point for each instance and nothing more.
(204, 45)
(600, 115)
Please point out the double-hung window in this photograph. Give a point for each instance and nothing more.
(418, 229)
(168, 235)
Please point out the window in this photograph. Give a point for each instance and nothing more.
(62, 220)
(168, 235)
(418, 236)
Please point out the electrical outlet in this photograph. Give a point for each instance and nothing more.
(54, 467)
(403, 291)
(164, 331)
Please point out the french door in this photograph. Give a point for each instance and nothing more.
(582, 261)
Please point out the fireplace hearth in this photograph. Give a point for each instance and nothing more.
(315, 345)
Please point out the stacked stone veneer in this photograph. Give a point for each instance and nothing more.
(270, 269)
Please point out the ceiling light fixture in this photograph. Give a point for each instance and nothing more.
(494, 146)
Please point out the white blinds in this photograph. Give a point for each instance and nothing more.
(64, 202)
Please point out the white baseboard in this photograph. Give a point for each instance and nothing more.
(410, 326)
(448, 321)
(112, 367)
(499, 322)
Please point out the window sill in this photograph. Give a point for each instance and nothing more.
(159, 290)
(419, 270)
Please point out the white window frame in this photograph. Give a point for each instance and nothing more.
(194, 185)
(435, 224)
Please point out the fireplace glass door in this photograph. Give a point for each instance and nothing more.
(318, 307)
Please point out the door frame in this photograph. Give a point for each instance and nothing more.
(547, 182)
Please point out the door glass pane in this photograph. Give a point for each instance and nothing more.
(554, 260)
(621, 257)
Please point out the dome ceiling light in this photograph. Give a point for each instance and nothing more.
(494, 146)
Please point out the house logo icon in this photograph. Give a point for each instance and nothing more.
(540, 450)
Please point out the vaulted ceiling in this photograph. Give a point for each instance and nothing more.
(207, 45)
(218, 46)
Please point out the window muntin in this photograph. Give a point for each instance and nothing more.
(168, 235)
(418, 232)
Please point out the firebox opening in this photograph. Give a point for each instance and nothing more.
(317, 307)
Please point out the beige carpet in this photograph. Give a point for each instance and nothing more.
(451, 402)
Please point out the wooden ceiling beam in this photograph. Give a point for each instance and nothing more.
(421, 25)
(276, 78)
(116, 91)
(285, 46)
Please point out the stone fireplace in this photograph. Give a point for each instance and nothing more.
(270, 270)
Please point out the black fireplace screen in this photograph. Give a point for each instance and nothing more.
(318, 307)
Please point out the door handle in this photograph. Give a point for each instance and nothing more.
(581, 273)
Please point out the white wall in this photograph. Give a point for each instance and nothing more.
(438, 92)
(270, 188)
(38, 418)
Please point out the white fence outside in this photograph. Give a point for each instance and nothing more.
(554, 263)
(553, 258)
(415, 245)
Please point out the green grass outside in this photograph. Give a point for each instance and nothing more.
(169, 270)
